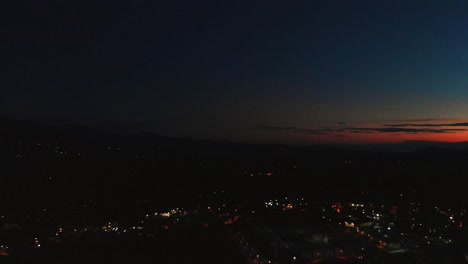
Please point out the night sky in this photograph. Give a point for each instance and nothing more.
(288, 71)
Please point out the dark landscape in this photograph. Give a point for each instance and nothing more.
(235, 132)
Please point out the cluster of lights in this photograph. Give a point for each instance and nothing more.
(284, 204)
(169, 213)
(36, 243)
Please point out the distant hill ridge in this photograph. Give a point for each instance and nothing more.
(15, 128)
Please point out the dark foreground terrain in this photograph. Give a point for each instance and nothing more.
(191, 245)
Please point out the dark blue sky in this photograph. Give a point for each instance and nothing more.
(257, 71)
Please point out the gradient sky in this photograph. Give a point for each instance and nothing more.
(286, 71)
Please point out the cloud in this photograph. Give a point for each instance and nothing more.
(319, 131)
(310, 131)
(360, 131)
(419, 120)
(339, 131)
(428, 125)
(403, 130)
(458, 124)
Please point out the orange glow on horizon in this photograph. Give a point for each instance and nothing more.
(369, 133)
